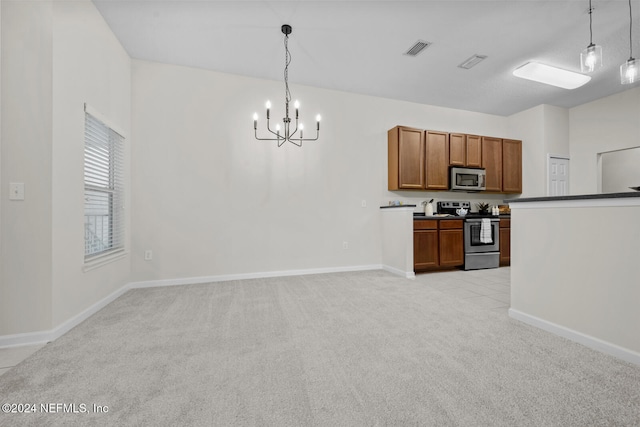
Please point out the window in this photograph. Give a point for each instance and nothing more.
(103, 190)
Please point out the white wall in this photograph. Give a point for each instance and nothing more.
(530, 125)
(608, 124)
(26, 246)
(544, 130)
(620, 170)
(95, 69)
(209, 199)
(55, 57)
(568, 275)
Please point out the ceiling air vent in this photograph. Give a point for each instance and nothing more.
(472, 62)
(418, 47)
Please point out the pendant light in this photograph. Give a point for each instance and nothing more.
(591, 56)
(629, 72)
(296, 135)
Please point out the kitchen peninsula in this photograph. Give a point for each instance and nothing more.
(575, 268)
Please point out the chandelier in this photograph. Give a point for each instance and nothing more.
(295, 136)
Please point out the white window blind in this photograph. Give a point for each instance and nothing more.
(103, 190)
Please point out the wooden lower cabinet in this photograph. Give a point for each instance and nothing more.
(425, 244)
(437, 244)
(505, 241)
(451, 248)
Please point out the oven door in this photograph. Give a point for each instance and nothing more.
(472, 242)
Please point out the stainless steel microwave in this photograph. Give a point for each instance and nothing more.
(468, 179)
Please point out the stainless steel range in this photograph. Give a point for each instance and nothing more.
(481, 241)
(481, 247)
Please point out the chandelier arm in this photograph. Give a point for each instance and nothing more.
(269, 129)
(310, 139)
(263, 139)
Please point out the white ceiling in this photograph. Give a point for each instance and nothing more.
(357, 46)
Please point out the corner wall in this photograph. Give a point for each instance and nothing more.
(93, 69)
(55, 57)
(608, 124)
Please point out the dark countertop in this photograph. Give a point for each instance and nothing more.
(397, 206)
(418, 216)
(576, 197)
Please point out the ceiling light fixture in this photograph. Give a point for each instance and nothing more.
(551, 75)
(591, 56)
(629, 70)
(288, 136)
(472, 62)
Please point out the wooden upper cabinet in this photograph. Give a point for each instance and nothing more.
(511, 166)
(492, 162)
(474, 151)
(437, 160)
(406, 151)
(457, 149)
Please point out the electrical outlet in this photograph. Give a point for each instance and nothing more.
(364, 204)
(345, 245)
(148, 255)
(16, 191)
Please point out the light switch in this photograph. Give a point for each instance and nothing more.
(16, 191)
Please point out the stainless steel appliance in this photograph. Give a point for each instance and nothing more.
(451, 207)
(480, 253)
(468, 179)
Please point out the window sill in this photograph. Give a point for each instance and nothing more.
(101, 260)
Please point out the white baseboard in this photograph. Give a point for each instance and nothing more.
(41, 337)
(244, 276)
(398, 272)
(586, 340)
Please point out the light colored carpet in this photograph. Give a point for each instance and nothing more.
(350, 349)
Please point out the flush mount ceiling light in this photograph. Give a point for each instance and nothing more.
(591, 56)
(629, 72)
(288, 136)
(472, 62)
(551, 75)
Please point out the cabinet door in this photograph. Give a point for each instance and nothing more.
(505, 245)
(451, 248)
(425, 249)
(406, 158)
(457, 149)
(474, 151)
(492, 162)
(437, 160)
(511, 166)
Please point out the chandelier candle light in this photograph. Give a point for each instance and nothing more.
(288, 135)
